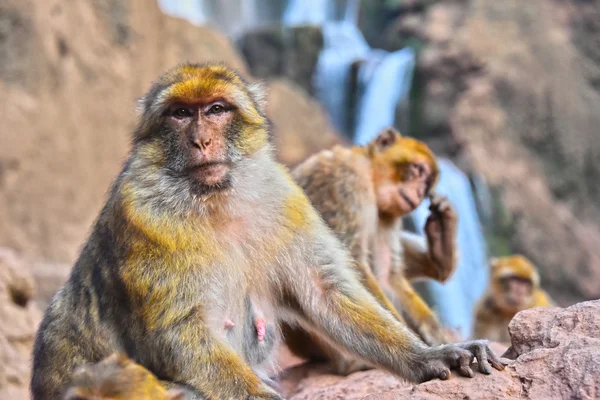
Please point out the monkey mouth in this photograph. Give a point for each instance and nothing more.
(212, 173)
(408, 200)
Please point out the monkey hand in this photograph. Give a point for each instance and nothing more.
(441, 229)
(441, 359)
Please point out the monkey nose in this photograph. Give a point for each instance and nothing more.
(202, 143)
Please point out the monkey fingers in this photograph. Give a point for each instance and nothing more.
(460, 356)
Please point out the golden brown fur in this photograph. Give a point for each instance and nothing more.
(355, 190)
(201, 233)
(117, 378)
(514, 286)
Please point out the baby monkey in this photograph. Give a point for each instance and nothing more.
(118, 378)
(514, 287)
(363, 193)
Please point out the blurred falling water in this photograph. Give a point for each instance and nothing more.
(455, 299)
(192, 10)
(231, 17)
(384, 79)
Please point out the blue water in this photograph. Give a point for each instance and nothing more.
(455, 299)
(386, 83)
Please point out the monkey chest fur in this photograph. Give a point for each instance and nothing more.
(240, 308)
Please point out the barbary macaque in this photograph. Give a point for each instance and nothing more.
(200, 221)
(362, 193)
(514, 286)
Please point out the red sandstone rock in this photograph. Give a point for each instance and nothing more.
(557, 355)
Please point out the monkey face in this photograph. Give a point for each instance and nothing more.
(405, 170)
(198, 123)
(514, 280)
(515, 293)
(197, 139)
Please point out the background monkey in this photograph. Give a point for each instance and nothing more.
(362, 193)
(117, 378)
(514, 286)
(201, 219)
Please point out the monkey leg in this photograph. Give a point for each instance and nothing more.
(311, 347)
(420, 316)
(208, 365)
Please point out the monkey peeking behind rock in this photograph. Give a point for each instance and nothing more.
(514, 286)
(363, 193)
(200, 220)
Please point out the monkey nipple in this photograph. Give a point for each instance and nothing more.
(228, 324)
(261, 329)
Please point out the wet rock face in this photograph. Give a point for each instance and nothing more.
(556, 356)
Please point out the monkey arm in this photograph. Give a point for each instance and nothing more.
(368, 279)
(420, 264)
(342, 312)
(329, 301)
(420, 316)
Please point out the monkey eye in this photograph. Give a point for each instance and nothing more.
(181, 113)
(420, 169)
(216, 109)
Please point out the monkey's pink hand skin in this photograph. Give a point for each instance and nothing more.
(261, 329)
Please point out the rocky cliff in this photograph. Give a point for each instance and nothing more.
(70, 73)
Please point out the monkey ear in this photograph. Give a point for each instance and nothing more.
(385, 139)
(258, 92)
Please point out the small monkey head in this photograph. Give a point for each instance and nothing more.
(514, 280)
(117, 378)
(404, 172)
(198, 121)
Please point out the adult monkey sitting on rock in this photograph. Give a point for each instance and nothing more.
(363, 192)
(201, 222)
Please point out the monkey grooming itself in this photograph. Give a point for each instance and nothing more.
(117, 378)
(514, 286)
(362, 193)
(200, 219)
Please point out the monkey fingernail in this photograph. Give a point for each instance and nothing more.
(466, 371)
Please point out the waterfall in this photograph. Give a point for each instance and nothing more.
(231, 17)
(383, 78)
(386, 79)
(455, 299)
(193, 10)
